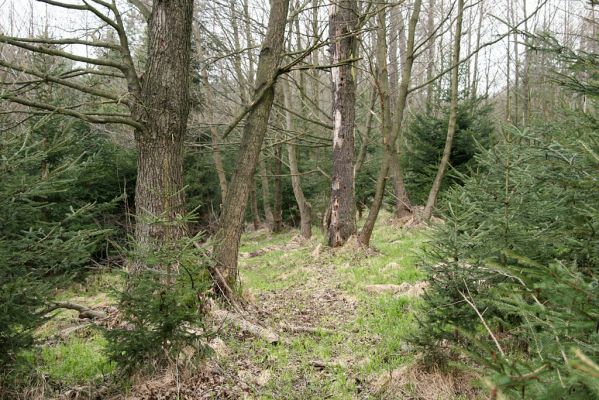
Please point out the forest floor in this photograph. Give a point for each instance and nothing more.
(342, 318)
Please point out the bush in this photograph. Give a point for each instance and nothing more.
(519, 247)
(40, 247)
(161, 305)
(426, 139)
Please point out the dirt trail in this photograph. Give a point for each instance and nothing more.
(326, 318)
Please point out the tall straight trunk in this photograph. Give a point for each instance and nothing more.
(226, 239)
(243, 87)
(315, 73)
(430, 63)
(209, 107)
(277, 224)
(159, 194)
(453, 116)
(268, 215)
(403, 205)
(254, 205)
(474, 89)
(343, 20)
(302, 204)
(365, 137)
(391, 128)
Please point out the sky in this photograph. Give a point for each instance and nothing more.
(22, 17)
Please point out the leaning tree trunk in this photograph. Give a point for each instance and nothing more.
(226, 239)
(159, 194)
(453, 115)
(302, 204)
(342, 24)
(391, 129)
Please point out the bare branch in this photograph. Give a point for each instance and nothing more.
(61, 53)
(65, 82)
(114, 119)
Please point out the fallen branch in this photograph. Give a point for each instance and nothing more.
(306, 329)
(223, 316)
(84, 312)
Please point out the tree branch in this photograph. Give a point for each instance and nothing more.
(60, 53)
(114, 119)
(67, 83)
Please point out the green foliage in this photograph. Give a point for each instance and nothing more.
(426, 139)
(161, 305)
(519, 246)
(40, 244)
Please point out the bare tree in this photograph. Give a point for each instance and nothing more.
(343, 19)
(304, 207)
(156, 107)
(453, 115)
(390, 127)
(226, 240)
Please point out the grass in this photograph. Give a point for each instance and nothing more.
(78, 361)
(362, 337)
(371, 341)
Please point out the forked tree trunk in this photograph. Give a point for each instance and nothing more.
(342, 23)
(159, 195)
(453, 116)
(391, 129)
(226, 239)
(302, 204)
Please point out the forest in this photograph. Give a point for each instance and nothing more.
(299, 199)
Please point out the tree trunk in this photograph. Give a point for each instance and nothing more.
(159, 194)
(430, 65)
(365, 137)
(391, 129)
(209, 107)
(343, 21)
(268, 215)
(302, 204)
(453, 114)
(254, 205)
(403, 205)
(277, 225)
(226, 239)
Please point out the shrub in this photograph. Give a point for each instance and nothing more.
(519, 250)
(161, 305)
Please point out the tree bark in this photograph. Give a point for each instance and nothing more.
(453, 114)
(302, 204)
(391, 129)
(226, 240)
(342, 24)
(159, 193)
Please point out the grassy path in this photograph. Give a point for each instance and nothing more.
(301, 283)
(338, 340)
